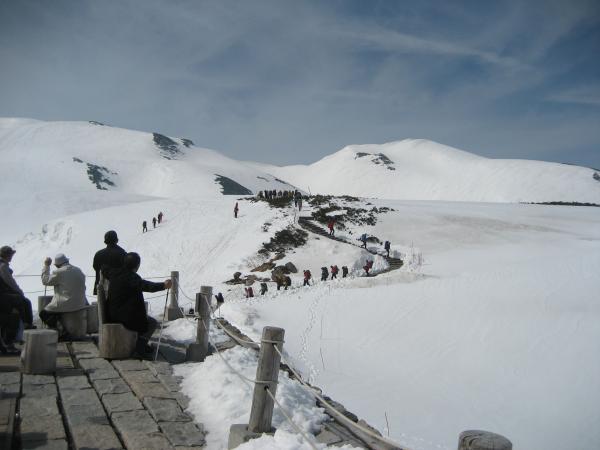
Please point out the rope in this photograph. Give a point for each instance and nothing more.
(254, 345)
(93, 276)
(162, 323)
(338, 414)
(289, 419)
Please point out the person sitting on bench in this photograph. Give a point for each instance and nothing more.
(126, 301)
(11, 295)
(69, 290)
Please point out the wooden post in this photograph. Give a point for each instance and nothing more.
(198, 350)
(267, 374)
(482, 440)
(173, 311)
(39, 354)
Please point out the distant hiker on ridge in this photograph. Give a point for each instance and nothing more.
(363, 239)
(334, 271)
(144, 226)
(307, 277)
(108, 259)
(387, 246)
(236, 208)
(154, 222)
(160, 216)
(344, 271)
(263, 288)
(368, 266)
(324, 274)
(330, 226)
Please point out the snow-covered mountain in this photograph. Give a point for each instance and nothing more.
(64, 155)
(53, 169)
(503, 311)
(417, 169)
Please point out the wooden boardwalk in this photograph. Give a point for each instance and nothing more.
(93, 403)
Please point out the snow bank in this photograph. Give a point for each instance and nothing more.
(218, 398)
(284, 440)
(184, 330)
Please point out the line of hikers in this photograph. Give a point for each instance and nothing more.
(155, 220)
(274, 193)
(307, 276)
(125, 299)
(364, 238)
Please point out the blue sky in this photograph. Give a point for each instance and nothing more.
(289, 82)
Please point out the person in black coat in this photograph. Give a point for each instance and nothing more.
(126, 300)
(108, 259)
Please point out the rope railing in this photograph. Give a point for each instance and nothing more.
(155, 277)
(289, 419)
(338, 414)
(247, 381)
(308, 388)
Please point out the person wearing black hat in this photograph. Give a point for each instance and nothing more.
(108, 259)
(126, 301)
(11, 295)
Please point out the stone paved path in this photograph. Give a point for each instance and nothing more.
(93, 403)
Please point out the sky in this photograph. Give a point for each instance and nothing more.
(289, 82)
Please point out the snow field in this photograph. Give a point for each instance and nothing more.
(498, 329)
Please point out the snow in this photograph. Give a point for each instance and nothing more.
(494, 325)
(219, 398)
(426, 170)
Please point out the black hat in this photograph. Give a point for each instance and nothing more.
(6, 250)
(110, 237)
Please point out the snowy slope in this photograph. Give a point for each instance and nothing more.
(62, 163)
(418, 169)
(499, 331)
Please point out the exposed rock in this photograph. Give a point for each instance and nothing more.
(291, 268)
(264, 267)
(231, 187)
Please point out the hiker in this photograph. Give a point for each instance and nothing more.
(344, 271)
(330, 226)
(126, 301)
(144, 226)
(324, 274)
(387, 246)
(263, 288)
(108, 259)
(249, 292)
(236, 208)
(220, 299)
(300, 204)
(154, 222)
(69, 289)
(368, 266)
(334, 271)
(160, 216)
(11, 295)
(363, 239)
(307, 277)
(287, 282)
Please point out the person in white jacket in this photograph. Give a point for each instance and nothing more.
(69, 289)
